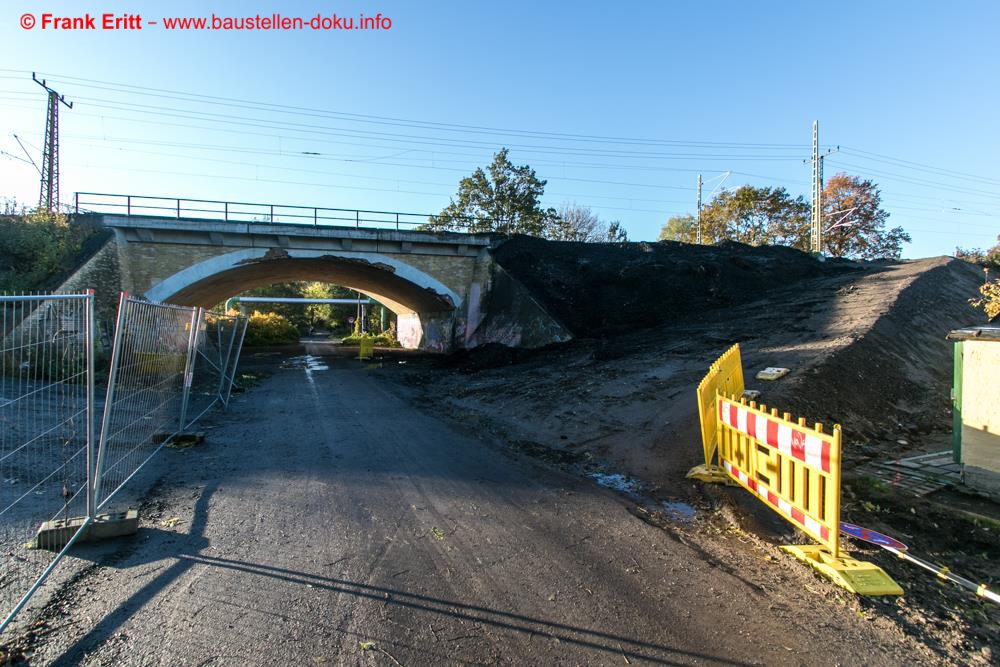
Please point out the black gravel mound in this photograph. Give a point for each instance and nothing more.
(601, 289)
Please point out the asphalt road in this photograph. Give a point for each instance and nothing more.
(326, 520)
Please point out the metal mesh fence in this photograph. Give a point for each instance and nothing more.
(53, 478)
(46, 435)
(149, 358)
(213, 366)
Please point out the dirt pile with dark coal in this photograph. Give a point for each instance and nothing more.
(893, 378)
(601, 289)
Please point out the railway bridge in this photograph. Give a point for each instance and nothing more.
(444, 287)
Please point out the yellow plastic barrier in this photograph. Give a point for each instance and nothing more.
(725, 376)
(795, 470)
(365, 348)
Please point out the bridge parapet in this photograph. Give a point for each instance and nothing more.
(150, 229)
(250, 213)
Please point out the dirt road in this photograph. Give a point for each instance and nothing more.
(327, 521)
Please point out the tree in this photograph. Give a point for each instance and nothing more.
(683, 228)
(989, 258)
(307, 316)
(756, 216)
(616, 233)
(579, 223)
(990, 301)
(505, 201)
(318, 313)
(576, 223)
(854, 221)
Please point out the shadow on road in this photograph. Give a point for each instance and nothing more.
(193, 542)
(188, 553)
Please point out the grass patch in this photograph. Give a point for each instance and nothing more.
(381, 340)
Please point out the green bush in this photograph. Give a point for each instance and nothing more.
(381, 340)
(270, 329)
(36, 247)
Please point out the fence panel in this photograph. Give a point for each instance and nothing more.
(792, 467)
(55, 475)
(145, 389)
(234, 359)
(724, 376)
(214, 359)
(46, 436)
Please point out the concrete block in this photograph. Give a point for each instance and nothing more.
(179, 440)
(53, 535)
(216, 239)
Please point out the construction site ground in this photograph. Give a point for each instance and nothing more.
(866, 347)
(531, 506)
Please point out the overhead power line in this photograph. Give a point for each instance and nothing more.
(388, 120)
(917, 166)
(916, 181)
(422, 140)
(321, 185)
(430, 145)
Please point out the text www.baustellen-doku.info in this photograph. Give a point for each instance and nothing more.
(47, 21)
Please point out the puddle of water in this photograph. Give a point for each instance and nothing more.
(616, 481)
(308, 362)
(674, 509)
(678, 510)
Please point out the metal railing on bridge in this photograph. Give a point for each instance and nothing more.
(251, 213)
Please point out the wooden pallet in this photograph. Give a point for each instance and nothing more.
(918, 475)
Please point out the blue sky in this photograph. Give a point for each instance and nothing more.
(618, 105)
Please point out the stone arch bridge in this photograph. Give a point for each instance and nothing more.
(444, 287)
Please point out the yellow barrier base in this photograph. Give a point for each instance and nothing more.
(854, 575)
(711, 474)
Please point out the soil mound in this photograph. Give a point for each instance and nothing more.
(600, 289)
(491, 355)
(894, 378)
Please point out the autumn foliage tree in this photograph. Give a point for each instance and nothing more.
(855, 223)
(682, 228)
(756, 216)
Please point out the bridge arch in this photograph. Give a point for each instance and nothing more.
(424, 306)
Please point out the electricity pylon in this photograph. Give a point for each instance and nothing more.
(48, 198)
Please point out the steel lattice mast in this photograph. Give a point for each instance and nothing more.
(48, 198)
